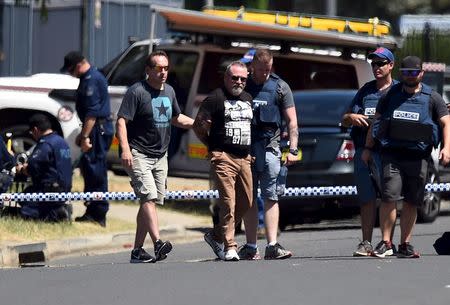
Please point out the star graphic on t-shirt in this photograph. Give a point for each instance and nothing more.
(162, 109)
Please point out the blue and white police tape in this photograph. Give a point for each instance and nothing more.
(295, 192)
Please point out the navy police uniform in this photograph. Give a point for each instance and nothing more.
(50, 169)
(93, 101)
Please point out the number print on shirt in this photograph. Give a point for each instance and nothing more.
(238, 117)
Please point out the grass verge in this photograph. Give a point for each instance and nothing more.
(17, 230)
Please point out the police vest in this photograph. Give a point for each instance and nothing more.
(368, 108)
(266, 111)
(59, 173)
(407, 122)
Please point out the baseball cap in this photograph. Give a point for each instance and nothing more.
(411, 63)
(70, 60)
(248, 57)
(382, 53)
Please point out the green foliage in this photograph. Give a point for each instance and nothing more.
(414, 44)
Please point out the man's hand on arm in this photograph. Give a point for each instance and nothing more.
(121, 133)
(355, 119)
(201, 126)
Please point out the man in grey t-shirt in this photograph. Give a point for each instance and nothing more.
(143, 128)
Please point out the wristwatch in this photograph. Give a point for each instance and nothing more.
(293, 151)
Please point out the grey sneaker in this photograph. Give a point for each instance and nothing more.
(276, 252)
(364, 249)
(383, 249)
(162, 248)
(248, 253)
(139, 255)
(215, 246)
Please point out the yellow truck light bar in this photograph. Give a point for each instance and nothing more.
(372, 26)
(199, 22)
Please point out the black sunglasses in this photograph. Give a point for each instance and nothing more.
(379, 63)
(236, 78)
(413, 73)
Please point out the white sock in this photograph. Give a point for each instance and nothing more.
(272, 243)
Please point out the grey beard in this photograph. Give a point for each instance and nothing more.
(236, 91)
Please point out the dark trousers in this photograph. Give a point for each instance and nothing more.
(94, 169)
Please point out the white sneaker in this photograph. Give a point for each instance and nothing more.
(231, 255)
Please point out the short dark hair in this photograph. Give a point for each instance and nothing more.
(41, 121)
(149, 62)
(263, 55)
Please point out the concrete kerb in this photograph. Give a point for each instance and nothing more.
(41, 252)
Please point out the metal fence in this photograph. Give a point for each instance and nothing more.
(33, 42)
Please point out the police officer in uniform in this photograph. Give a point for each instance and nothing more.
(272, 102)
(95, 138)
(407, 127)
(359, 117)
(50, 169)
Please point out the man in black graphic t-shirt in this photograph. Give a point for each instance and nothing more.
(223, 123)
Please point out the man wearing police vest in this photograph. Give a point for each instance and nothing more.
(359, 117)
(272, 102)
(406, 128)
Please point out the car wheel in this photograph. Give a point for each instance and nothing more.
(431, 206)
(22, 141)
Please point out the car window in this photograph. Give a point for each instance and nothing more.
(299, 74)
(181, 72)
(213, 69)
(131, 68)
(306, 74)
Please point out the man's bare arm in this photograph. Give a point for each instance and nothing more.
(122, 135)
(182, 121)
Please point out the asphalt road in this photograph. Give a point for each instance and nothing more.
(322, 271)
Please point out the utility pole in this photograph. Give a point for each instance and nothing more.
(331, 8)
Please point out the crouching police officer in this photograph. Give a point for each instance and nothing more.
(50, 169)
(406, 128)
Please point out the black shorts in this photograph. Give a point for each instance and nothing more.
(403, 179)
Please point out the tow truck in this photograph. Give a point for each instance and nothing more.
(305, 57)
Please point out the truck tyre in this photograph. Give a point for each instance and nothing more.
(22, 141)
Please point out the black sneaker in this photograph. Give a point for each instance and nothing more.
(383, 249)
(162, 248)
(276, 252)
(406, 250)
(139, 255)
